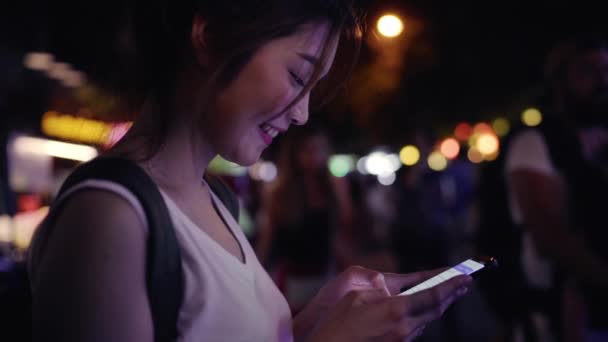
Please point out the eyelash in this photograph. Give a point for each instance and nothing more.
(297, 79)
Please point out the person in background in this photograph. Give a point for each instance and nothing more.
(306, 214)
(556, 182)
(212, 77)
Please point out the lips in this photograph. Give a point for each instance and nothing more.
(268, 133)
(270, 130)
(267, 138)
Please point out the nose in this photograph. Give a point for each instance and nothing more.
(299, 112)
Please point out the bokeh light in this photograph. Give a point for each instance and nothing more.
(463, 131)
(40, 61)
(482, 128)
(381, 163)
(390, 25)
(491, 157)
(24, 145)
(474, 155)
(341, 165)
(59, 71)
(488, 144)
(501, 126)
(387, 179)
(450, 148)
(362, 166)
(532, 117)
(73, 79)
(409, 155)
(437, 161)
(264, 171)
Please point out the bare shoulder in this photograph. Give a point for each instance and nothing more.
(93, 219)
(92, 272)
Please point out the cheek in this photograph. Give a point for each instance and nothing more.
(267, 87)
(273, 96)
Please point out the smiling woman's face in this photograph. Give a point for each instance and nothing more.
(258, 104)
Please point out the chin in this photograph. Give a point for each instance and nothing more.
(245, 159)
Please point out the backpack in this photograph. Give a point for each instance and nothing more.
(164, 279)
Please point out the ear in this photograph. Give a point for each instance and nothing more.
(199, 41)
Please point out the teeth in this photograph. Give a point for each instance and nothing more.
(271, 131)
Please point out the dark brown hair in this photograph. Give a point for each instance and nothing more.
(160, 30)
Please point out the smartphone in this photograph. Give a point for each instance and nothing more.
(473, 267)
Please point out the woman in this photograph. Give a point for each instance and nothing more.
(218, 77)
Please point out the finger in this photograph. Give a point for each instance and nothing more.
(403, 314)
(417, 333)
(363, 297)
(422, 319)
(360, 278)
(432, 303)
(404, 334)
(432, 299)
(397, 283)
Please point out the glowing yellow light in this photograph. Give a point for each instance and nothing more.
(6, 229)
(83, 130)
(487, 144)
(532, 117)
(450, 148)
(474, 155)
(437, 161)
(409, 155)
(492, 157)
(36, 146)
(390, 26)
(501, 126)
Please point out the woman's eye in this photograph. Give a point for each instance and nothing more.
(297, 79)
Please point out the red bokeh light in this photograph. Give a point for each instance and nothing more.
(463, 131)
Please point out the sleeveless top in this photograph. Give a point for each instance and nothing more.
(224, 298)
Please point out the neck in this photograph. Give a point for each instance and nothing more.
(183, 157)
(181, 161)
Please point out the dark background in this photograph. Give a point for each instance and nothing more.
(465, 60)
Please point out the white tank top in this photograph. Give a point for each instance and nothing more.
(224, 299)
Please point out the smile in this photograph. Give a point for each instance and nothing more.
(268, 133)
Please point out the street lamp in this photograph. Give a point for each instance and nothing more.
(390, 25)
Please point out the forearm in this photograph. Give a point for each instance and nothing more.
(304, 323)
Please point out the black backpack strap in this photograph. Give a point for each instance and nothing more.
(164, 278)
(225, 195)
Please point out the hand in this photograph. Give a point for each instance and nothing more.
(372, 315)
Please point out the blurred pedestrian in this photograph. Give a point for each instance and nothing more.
(555, 177)
(304, 213)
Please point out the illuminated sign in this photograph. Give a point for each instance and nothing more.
(68, 127)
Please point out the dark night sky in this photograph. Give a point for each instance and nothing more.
(469, 61)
